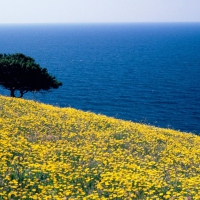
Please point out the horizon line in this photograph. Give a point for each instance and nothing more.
(60, 23)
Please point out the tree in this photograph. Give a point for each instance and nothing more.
(20, 73)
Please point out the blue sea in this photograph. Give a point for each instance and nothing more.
(148, 73)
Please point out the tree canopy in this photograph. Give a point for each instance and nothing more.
(21, 73)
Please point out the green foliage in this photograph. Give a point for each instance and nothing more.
(20, 73)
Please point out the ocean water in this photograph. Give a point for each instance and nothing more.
(147, 73)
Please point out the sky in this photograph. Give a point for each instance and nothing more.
(98, 11)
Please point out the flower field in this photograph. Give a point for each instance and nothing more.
(48, 152)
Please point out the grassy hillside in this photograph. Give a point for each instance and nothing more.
(62, 153)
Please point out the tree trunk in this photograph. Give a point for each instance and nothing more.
(21, 94)
(12, 92)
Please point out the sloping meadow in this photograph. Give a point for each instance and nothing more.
(48, 152)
